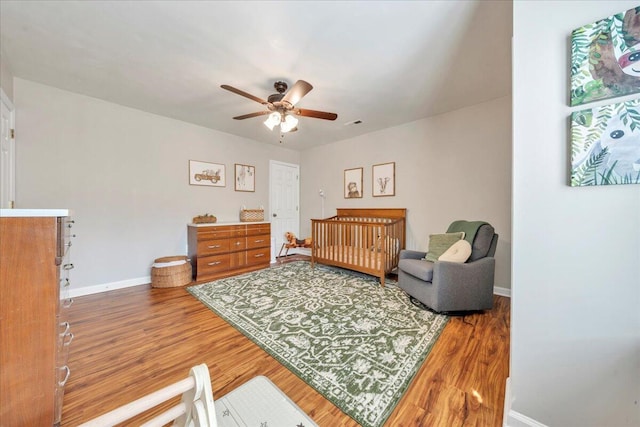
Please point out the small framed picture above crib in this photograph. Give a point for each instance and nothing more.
(353, 183)
(384, 179)
(245, 178)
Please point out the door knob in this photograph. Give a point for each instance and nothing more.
(275, 215)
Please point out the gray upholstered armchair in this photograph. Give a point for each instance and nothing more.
(445, 286)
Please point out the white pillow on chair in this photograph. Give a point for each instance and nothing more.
(460, 251)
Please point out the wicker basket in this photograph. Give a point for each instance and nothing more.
(204, 219)
(251, 215)
(172, 276)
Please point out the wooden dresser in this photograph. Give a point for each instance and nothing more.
(34, 332)
(222, 250)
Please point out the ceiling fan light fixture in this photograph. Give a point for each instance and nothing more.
(288, 123)
(280, 107)
(273, 120)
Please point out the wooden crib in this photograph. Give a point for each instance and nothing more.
(364, 240)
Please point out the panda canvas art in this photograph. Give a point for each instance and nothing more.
(605, 145)
(605, 58)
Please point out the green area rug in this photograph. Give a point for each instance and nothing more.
(356, 343)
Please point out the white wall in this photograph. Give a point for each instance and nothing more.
(451, 166)
(575, 325)
(124, 174)
(6, 77)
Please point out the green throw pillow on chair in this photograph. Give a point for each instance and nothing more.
(439, 243)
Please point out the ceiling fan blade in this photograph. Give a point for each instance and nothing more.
(243, 93)
(315, 114)
(295, 94)
(250, 115)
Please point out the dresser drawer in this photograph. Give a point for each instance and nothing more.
(211, 247)
(213, 264)
(258, 229)
(239, 231)
(213, 233)
(258, 256)
(260, 241)
(238, 244)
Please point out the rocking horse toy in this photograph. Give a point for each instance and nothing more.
(292, 242)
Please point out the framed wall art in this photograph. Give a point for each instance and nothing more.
(605, 145)
(384, 179)
(204, 173)
(353, 183)
(605, 58)
(245, 178)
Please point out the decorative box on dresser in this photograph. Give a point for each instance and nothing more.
(34, 332)
(226, 249)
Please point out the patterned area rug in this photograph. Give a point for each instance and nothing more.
(356, 343)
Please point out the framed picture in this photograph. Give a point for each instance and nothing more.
(384, 179)
(605, 145)
(204, 173)
(245, 178)
(353, 183)
(604, 58)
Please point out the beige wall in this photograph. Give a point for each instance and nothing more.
(451, 166)
(124, 174)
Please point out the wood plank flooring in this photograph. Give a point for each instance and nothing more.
(131, 342)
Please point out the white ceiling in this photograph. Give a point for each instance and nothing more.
(382, 62)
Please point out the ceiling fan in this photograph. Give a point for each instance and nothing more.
(281, 106)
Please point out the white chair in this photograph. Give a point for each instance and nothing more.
(195, 409)
(257, 402)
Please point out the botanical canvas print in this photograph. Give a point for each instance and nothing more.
(605, 58)
(605, 145)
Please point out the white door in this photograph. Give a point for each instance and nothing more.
(7, 155)
(284, 195)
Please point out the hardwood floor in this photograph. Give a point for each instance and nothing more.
(131, 342)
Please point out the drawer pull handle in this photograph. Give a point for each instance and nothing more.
(67, 303)
(67, 339)
(215, 263)
(66, 327)
(214, 246)
(258, 255)
(259, 241)
(66, 376)
(68, 266)
(237, 243)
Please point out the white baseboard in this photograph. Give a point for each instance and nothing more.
(516, 419)
(503, 292)
(511, 418)
(96, 289)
